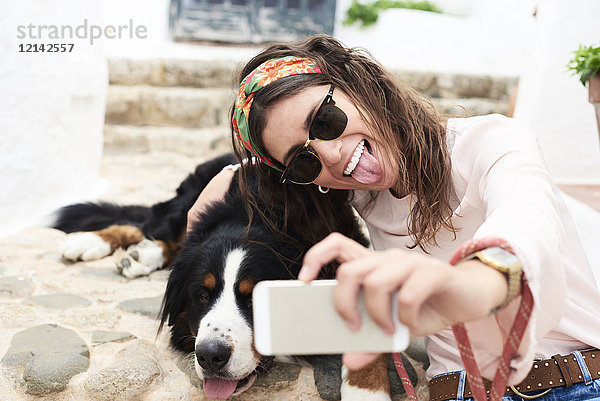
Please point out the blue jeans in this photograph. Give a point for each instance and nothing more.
(589, 390)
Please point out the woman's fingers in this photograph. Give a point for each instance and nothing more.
(380, 285)
(355, 361)
(415, 291)
(419, 304)
(334, 247)
(350, 276)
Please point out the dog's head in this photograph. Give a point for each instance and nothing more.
(208, 302)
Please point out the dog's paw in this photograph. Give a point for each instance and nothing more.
(140, 259)
(84, 246)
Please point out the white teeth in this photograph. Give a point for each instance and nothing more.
(355, 158)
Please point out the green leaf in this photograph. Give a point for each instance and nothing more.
(585, 63)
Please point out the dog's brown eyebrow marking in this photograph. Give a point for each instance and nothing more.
(246, 286)
(209, 281)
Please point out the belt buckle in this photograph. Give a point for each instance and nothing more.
(530, 397)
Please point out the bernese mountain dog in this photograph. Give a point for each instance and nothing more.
(214, 268)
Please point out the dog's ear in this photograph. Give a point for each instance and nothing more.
(175, 306)
(175, 300)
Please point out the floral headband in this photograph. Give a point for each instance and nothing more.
(266, 73)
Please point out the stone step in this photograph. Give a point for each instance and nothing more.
(448, 85)
(192, 142)
(173, 72)
(209, 107)
(223, 74)
(168, 106)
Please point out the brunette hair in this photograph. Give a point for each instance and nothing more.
(405, 125)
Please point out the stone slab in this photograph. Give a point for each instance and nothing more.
(58, 301)
(149, 307)
(222, 73)
(15, 286)
(105, 274)
(187, 141)
(42, 359)
(168, 106)
(172, 72)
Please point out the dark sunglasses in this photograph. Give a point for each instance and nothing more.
(328, 124)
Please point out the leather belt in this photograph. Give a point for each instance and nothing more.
(557, 371)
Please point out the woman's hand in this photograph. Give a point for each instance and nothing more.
(432, 294)
(213, 192)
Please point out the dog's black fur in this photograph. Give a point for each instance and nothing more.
(163, 221)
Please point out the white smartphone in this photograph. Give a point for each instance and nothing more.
(295, 318)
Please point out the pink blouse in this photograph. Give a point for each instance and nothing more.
(503, 190)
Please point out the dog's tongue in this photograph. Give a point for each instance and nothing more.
(219, 389)
(367, 170)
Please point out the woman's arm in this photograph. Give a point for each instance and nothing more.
(213, 192)
(431, 293)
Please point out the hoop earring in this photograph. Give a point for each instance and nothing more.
(323, 190)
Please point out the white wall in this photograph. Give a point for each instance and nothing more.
(153, 14)
(552, 102)
(475, 36)
(51, 114)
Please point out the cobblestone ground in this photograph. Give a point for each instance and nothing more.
(80, 331)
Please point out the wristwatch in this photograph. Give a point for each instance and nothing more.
(506, 263)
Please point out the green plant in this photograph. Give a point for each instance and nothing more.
(367, 13)
(586, 62)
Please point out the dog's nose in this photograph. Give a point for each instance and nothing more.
(212, 355)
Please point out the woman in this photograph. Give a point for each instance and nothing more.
(327, 124)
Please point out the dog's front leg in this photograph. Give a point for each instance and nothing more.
(370, 383)
(98, 244)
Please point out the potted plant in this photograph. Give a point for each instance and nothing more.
(586, 64)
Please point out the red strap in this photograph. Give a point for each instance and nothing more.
(513, 340)
(408, 387)
(462, 339)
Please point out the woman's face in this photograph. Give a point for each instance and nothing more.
(286, 130)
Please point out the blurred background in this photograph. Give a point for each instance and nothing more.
(125, 118)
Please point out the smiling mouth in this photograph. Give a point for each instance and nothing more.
(358, 152)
